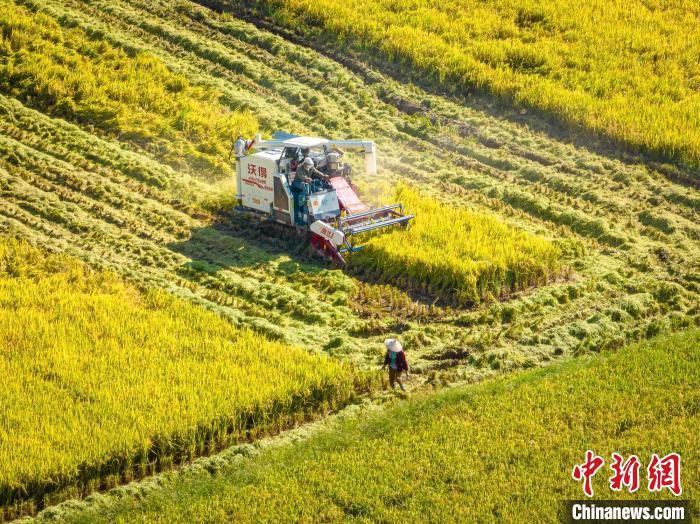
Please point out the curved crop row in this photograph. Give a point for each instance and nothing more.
(68, 73)
(626, 69)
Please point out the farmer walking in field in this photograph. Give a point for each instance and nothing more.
(395, 358)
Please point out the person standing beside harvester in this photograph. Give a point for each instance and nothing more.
(395, 359)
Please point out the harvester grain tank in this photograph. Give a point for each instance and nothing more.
(302, 182)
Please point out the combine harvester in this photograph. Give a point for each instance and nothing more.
(301, 182)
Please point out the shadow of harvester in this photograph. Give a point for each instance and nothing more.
(239, 242)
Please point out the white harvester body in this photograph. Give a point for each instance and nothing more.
(302, 182)
(256, 180)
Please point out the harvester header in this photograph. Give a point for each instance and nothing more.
(302, 182)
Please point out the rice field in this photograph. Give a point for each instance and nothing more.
(67, 73)
(627, 70)
(458, 254)
(607, 243)
(103, 383)
(451, 456)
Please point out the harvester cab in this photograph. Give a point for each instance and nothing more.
(302, 182)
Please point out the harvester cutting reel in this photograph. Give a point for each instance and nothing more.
(333, 240)
(301, 182)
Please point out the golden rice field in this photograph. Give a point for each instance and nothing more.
(102, 383)
(499, 451)
(123, 167)
(627, 69)
(458, 254)
(68, 73)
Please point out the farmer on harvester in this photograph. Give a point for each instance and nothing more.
(305, 183)
(307, 171)
(395, 358)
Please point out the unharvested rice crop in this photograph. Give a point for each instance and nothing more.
(456, 253)
(102, 382)
(627, 69)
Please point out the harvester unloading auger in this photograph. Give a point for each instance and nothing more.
(302, 182)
